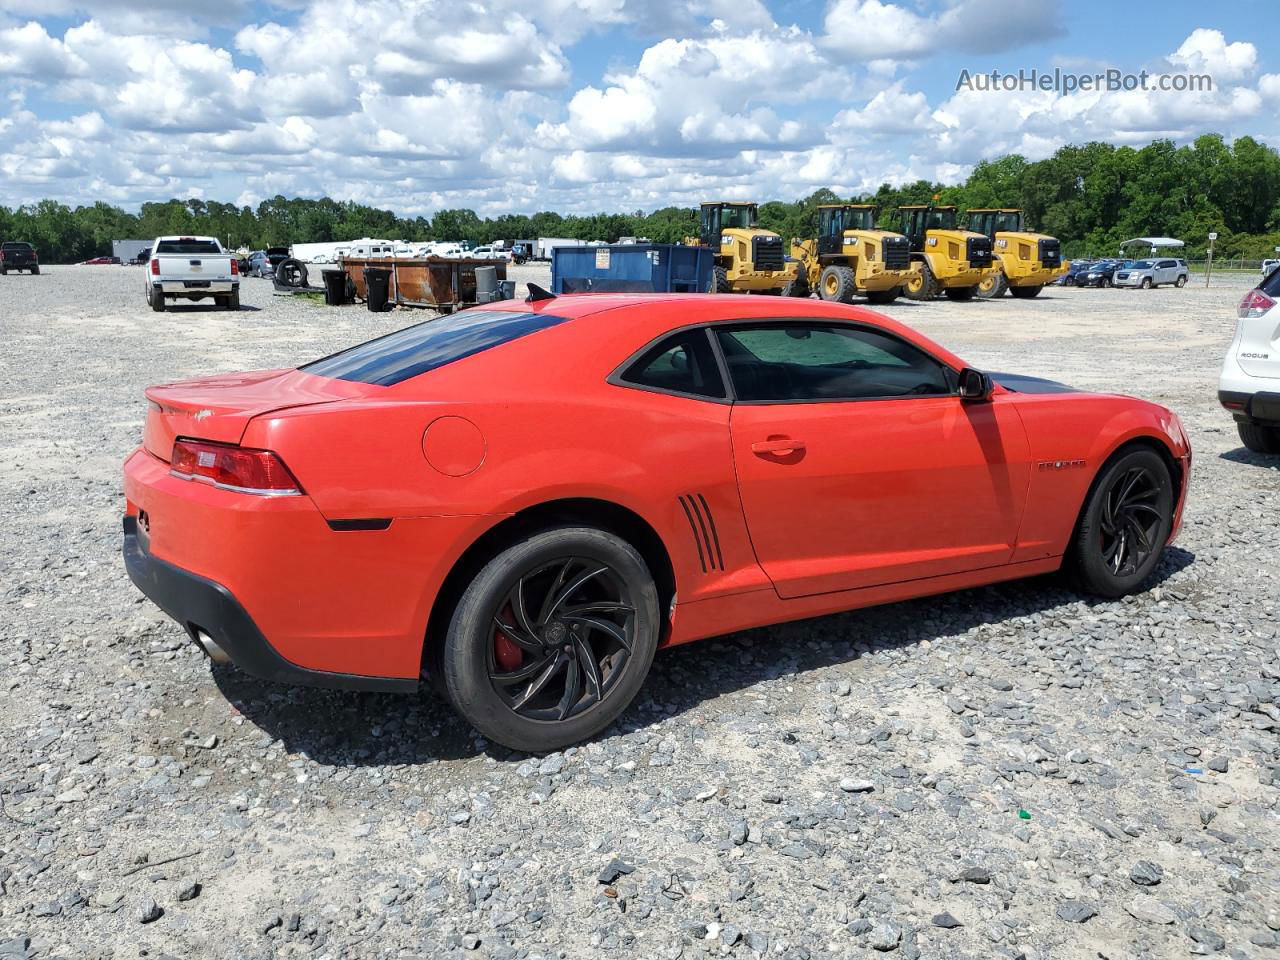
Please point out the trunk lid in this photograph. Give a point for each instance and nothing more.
(219, 408)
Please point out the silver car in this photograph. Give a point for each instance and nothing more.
(1151, 273)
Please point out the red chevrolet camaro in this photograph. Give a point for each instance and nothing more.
(523, 501)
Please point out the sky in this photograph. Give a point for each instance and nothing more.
(582, 106)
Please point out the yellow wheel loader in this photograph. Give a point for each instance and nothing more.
(748, 259)
(1027, 261)
(952, 261)
(850, 255)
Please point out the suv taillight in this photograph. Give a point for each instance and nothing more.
(34, 256)
(1254, 304)
(240, 469)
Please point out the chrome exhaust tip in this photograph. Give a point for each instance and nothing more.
(215, 652)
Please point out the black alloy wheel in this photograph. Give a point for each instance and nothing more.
(1124, 525)
(1130, 521)
(562, 638)
(552, 639)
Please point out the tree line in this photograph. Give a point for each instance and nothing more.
(1091, 196)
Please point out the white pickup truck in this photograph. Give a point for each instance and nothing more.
(192, 268)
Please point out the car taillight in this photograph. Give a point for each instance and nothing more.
(235, 267)
(241, 469)
(155, 268)
(1254, 304)
(34, 256)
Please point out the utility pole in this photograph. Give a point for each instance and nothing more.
(1208, 272)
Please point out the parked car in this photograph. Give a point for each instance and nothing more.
(1074, 271)
(258, 264)
(15, 255)
(1098, 274)
(192, 268)
(1268, 266)
(526, 499)
(99, 261)
(1249, 385)
(488, 253)
(1151, 273)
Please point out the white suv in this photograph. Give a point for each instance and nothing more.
(1250, 382)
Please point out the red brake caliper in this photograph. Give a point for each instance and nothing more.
(509, 657)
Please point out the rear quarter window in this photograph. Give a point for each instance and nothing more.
(1271, 285)
(427, 346)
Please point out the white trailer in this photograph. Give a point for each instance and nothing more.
(331, 252)
(542, 249)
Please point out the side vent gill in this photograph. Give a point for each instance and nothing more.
(703, 526)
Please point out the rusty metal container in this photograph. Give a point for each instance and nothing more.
(440, 283)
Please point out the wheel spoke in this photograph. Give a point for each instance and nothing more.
(521, 611)
(525, 642)
(572, 688)
(574, 585)
(545, 612)
(1130, 481)
(528, 671)
(590, 668)
(604, 626)
(541, 681)
(598, 606)
(1143, 542)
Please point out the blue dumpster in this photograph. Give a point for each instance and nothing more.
(632, 268)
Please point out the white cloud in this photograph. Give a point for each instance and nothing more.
(880, 30)
(722, 101)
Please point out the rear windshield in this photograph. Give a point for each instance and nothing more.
(197, 247)
(1271, 285)
(426, 346)
(15, 246)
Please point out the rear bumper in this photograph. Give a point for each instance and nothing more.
(202, 606)
(1261, 407)
(181, 288)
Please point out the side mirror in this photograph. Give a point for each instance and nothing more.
(975, 386)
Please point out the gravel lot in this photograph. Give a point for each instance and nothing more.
(1006, 772)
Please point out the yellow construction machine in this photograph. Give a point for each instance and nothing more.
(748, 259)
(850, 256)
(952, 261)
(1027, 261)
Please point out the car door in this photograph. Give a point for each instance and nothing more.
(859, 465)
(1167, 271)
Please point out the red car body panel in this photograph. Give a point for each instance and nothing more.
(889, 499)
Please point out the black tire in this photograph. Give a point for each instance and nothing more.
(961, 293)
(719, 280)
(799, 287)
(837, 284)
(1146, 283)
(1124, 525)
(1025, 293)
(233, 301)
(926, 289)
(994, 289)
(292, 273)
(884, 296)
(35, 271)
(1180, 282)
(1258, 438)
(494, 620)
(157, 300)
(4, 271)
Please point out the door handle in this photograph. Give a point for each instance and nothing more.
(777, 446)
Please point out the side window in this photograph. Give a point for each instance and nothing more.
(1168, 263)
(795, 362)
(681, 363)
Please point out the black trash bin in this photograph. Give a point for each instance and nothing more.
(335, 287)
(377, 283)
